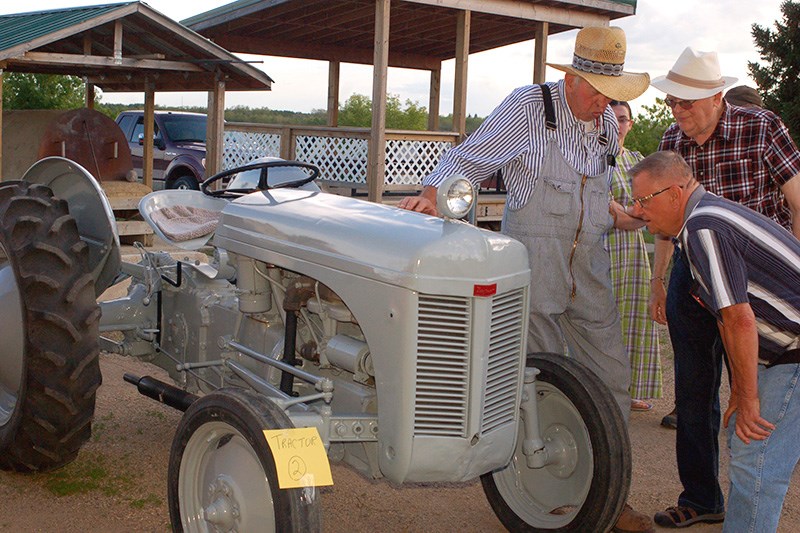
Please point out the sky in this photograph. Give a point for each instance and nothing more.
(656, 36)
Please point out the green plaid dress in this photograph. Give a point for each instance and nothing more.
(630, 279)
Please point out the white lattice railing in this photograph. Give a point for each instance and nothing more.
(340, 153)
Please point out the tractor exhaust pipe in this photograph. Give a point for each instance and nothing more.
(162, 392)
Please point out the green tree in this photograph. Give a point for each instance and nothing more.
(357, 111)
(649, 127)
(779, 78)
(42, 91)
(411, 117)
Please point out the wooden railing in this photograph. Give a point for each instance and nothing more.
(341, 153)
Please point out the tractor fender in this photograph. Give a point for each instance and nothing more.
(90, 208)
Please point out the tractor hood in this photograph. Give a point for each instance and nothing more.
(290, 227)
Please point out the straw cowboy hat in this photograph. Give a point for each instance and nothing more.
(599, 59)
(694, 75)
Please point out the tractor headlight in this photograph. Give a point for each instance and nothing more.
(455, 197)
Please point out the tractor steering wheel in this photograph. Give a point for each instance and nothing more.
(263, 181)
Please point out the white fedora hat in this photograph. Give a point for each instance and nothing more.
(599, 58)
(694, 75)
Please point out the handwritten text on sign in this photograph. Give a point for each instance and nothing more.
(300, 457)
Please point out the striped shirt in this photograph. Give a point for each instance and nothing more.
(513, 137)
(739, 256)
(748, 157)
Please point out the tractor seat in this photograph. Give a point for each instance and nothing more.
(182, 218)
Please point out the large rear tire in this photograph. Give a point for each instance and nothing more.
(585, 486)
(49, 366)
(222, 473)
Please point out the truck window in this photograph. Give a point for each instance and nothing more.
(185, 128)
(139, 129)
(125, 123)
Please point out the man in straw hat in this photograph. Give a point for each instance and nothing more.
(554, 143)
(745, 155)
(747, 269)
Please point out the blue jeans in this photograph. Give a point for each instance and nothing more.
(698, 369)
(760, 471)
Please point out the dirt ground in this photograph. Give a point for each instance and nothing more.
(118, 482)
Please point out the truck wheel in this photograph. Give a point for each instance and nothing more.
(49, 366)
(585, 486)
(222, 473)
(186, 183)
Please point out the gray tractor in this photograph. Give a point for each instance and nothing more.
(400, 337)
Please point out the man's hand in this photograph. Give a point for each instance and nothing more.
(424, 203)
(740, 338)
(622, 219)
(658, 292)
(658, 301)
(749, 424)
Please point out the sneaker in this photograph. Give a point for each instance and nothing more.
(631, 521)
(671, 420)
(683, 516)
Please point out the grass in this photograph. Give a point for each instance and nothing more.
(94, 472)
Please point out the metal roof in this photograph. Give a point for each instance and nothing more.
(20, 28)
(118, 46)
(422, 32)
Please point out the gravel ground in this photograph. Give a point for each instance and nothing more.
(118, 482)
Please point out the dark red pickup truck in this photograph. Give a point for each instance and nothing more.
(179, 147)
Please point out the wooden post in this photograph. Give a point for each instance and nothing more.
(89, 87)
(540, 52)
(287, 143)
(333, 93)
(376, 164)
(215, 128)
(89, 94)
(149, 131)
(433, 102)
(118, 42)
(462, 58)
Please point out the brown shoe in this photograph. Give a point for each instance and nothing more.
(631, 521)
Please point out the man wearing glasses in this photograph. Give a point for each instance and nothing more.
(744, 155)
(746, 271)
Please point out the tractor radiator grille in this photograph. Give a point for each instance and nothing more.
(443, 348)
(443, 363)
(502, 376)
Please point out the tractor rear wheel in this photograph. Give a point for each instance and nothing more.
(49, 366)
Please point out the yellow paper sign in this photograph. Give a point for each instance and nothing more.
(300, 457)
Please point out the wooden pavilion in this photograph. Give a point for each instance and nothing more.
(127, 47)
(418, 34)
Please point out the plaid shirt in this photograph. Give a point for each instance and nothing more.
(747, 159)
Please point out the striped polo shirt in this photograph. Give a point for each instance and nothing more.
(740, 256)
(513, 137)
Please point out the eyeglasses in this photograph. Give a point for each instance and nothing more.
(623, 120)
(672, 102)
(643, 199)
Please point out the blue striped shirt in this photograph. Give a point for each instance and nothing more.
(513, 137)
(740, 256)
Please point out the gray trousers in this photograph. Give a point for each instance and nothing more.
(562, 225)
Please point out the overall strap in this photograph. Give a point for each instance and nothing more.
(549, 110)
